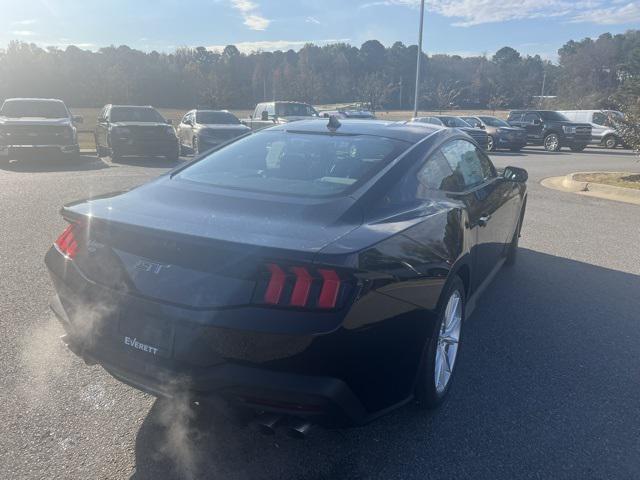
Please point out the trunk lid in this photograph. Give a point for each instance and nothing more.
(200, 247)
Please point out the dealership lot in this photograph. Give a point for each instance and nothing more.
(547, 385)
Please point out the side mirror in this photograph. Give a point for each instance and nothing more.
(481, 126)
(515, 174)
(77, 119)
(169, 122)
(265, 116)
(537, 121)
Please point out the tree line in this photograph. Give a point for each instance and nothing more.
(599, 73)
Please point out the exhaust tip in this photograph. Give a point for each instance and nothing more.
(299, 429)
(267, 423)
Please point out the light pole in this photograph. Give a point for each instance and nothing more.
(419, 61)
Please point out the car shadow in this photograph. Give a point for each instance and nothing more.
(546, 345)
(154, 162)
(618, 152)
(506, 153)
(36, 164)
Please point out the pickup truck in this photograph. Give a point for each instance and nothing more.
(551, 129)
(269, 114)
(37, 125)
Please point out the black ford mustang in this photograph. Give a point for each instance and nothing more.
(322, 272)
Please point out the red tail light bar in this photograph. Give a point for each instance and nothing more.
(67, 243)
(303, 287)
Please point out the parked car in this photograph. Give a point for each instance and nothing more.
(202, 130)
(269, 114)
(37, 125)
(449, 121)
(551, 129)
(348, 113)
(321, 274)
(499, 133)
(130, 131)
(603, 131)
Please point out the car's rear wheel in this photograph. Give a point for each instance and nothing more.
(552, 143)
(610, 141)
(490, 144)
(439, 359)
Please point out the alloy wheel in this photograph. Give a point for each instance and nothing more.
(448, 340)
(551, 143)
(610, 142)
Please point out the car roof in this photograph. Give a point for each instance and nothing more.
(28, 99)
(131, 106)
(411, 132)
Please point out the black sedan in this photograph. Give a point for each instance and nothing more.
(134, 131)
(318, 271)
(448, 121)
(500, 133)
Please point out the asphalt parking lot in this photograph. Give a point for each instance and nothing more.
(548, 383)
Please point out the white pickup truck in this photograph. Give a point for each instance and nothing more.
(273, 113)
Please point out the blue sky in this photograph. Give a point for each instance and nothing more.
(466, 27)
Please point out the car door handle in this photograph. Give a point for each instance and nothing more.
(484, 220)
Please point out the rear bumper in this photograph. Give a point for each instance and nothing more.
(324, 399)
(349, 365)
(8, 150)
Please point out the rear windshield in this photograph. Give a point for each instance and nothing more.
(454, 122)
(494, 122)
(304, 164)
(554, 116)
(136, 114)
(224, 118)
(295, 110)
(34, 108)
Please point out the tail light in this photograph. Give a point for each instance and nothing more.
(67, 242)
(302, 287)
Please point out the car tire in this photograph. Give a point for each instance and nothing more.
(439, 357)
(491, 147)
(551, 142)
(610, 141)
(101, 151)
(578, 148)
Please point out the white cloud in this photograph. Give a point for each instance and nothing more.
(313, 20)
(28, 21)
(629, 13)
(256, 22)
(23, 33)
(476, 12)
(250, 14)
(272, 45)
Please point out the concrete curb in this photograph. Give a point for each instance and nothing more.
(599, 190)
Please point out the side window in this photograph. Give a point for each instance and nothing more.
(271, 109)
(437, 174)
(530, 118)
(514, 117)
(600, 118)
(470, 166)
(258, 112)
